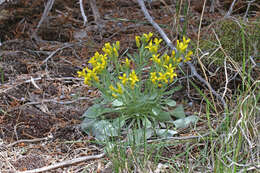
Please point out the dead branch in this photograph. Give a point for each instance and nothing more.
(230, 9)
(169, 43)
(66, 45)
(212, 6)
(65, 163)
(96, 14)
(47, 9)
(247, 9)
(83, 12)
(27, 141)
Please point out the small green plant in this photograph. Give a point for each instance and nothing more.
(134, 97)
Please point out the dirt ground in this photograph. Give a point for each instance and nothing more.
(40, 94)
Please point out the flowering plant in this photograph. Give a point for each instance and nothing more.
(133, 89)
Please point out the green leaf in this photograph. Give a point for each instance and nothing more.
(137, 136)
(143, 99)
(103, 129)
(96, 110)
(92, 112)
(171, 102)
(173, 90)
(146, 122)
(178, 112)
(118, 123)
(185, 122)
(161, 115)
(117, 103)
(156, 111)
(165, 133)
(164, 116)
(153, 96)
(87, 124)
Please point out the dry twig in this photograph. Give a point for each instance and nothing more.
(230, 9)
(47, 9)
(96, 14)
(247, 9)
(82, 12)
(65, 163)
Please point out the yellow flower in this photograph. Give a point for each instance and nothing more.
(137, 41)
(114, 95)
(115, 52)
(92, 60)
(81, 73)
(156, 59)
(133, 78)
(188, 56)
(177, 60)
(166, 58)
(107, 49)
(181, 46)
(123, 78)
(169, 68)
(87, 80)
(92, 74)
(186, 42)
(173, 53)
(108, 46)
(119, 88)
(147, 37)
(157, 41)
(112, 88)
(103, 63)
(127, 62)
(117, 45)
(171, 75)
(153, 77)
(152, 48)
(163, 77)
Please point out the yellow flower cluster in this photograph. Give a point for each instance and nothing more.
(167, 64)
(132, 79)
(165, 77)
(127, 62)
(111, 50)
(99, 63)
(88, 75)
(162, 71)
(116, 91)
(144, 39)
(182, 46)
(153, 48)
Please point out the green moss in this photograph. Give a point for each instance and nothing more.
(230, 33)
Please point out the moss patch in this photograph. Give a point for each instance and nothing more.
(230, 34)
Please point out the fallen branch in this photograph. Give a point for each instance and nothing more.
(66, 45)
(27, 141)
(65, 163)
(83, 12)
(169, 43)
(230, 9)
(47, 9)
